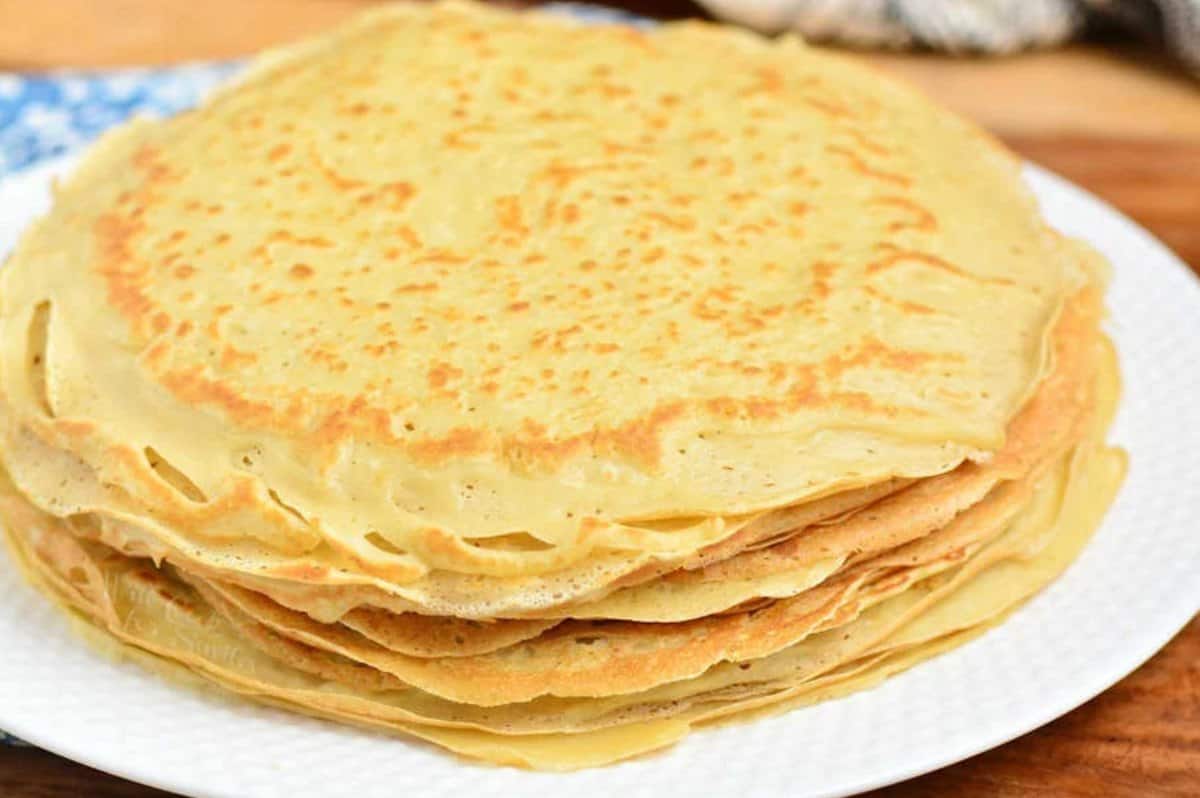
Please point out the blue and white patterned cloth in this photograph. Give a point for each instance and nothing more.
(46, 115)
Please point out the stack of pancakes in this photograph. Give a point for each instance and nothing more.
(547, 390)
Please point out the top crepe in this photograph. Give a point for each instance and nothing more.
(455, 289)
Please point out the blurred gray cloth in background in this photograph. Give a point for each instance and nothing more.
(970, 26)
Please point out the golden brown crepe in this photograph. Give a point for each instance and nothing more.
(545, 390)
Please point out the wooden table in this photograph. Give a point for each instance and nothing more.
(1117, 121)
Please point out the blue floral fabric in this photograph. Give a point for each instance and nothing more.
(46, 115)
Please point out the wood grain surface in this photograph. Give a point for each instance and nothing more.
(1117, 120)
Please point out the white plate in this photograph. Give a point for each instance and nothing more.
(1135, 585)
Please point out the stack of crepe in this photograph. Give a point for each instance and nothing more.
(547, 390)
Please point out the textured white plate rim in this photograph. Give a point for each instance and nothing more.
(1067, 206)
